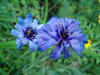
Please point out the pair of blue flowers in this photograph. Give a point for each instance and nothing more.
(63, 33)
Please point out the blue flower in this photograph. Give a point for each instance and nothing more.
(26, 32)
(63, 33)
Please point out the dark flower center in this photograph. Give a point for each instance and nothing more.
(64, 34)
(29, 33)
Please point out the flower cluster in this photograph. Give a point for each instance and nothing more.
(63, 33)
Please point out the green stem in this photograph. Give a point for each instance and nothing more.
(46, 11)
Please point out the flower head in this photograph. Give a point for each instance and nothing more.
(26, 32)
(61, 33)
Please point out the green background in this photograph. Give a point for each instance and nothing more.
(23, 62)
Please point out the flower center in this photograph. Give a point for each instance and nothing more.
(64, 34)
(29, 33)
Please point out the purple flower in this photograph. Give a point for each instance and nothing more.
(63, 33)
(26, 32)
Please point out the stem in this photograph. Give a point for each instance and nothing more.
(46, 11)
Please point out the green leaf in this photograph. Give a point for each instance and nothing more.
(9, 44)
(65, 10)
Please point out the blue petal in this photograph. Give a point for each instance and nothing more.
(29, 16)
(28, 19)
(68, 21)
(45, 44)
(79, 36)
(60, 21)
(45, 40)
(76, 30)
(77, 46)
(14, 32)
(75, 22)
(47, 32)
(83, 38)
(19, 27)
(73, 25)
(67, 52)
(49, 28)
(57, 52)
(32, 46)
(52, 20)
(21, 21)
(39, 27)
(73, 28)
(24, 40)
(19, 44)
(35, 24)
(52, 24)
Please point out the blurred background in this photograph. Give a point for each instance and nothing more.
(23, 62)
